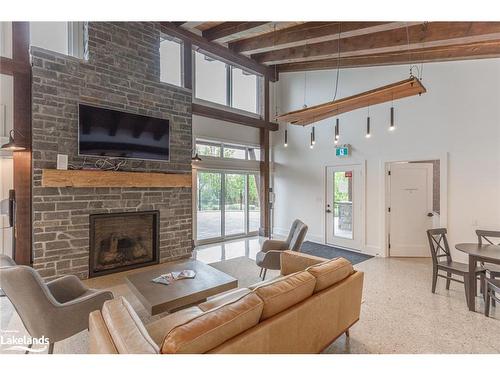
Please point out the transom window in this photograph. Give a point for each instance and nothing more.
(227, 85)
(227, 151)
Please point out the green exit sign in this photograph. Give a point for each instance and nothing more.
(342, 151)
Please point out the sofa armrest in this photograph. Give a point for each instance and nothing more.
(100, 341)
(294, 261)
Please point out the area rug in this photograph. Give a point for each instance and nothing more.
(244, 269)
(330, 252)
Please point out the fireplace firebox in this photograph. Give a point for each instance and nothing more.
(122, 241)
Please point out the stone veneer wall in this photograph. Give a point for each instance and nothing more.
(122, 72)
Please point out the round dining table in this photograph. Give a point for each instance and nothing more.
(477, 253)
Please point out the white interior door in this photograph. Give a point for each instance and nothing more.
(344, 206)
(409, 208)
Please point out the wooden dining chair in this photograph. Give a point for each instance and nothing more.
(491, 287)
(442, 261)
(485, 237)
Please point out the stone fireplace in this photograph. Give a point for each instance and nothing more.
(122, 241)
(122, 72)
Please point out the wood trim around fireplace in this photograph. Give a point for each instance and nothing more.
(156, 241)
(98, 178)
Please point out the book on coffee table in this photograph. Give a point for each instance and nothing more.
(168, 278)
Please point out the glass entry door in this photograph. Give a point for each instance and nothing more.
(227, 205)
(344, 206)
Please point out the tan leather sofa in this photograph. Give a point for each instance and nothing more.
(310, 305)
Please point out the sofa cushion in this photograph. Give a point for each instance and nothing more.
(279, 295)
(159, 328)
(128, 333)
(214, 327)
(222, 299)
(330, 272)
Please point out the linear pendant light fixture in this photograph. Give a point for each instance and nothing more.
(398, 90)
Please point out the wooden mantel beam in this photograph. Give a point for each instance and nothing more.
(434, 34)
(309, 33)
(218, 50)
(228, 31)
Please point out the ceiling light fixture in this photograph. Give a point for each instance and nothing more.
(368, 134)
(337, 130)
(12, 145)
(392, 127)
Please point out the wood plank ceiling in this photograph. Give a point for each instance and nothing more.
(299, 46)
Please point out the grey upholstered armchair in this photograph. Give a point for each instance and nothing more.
(57, 309)
(269, 255)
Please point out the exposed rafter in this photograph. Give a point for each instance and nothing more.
(446, 53)
(228, 31)
(435, 34)
(309, 33)
(216, 49)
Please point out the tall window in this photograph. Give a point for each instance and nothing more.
(244, 90)
(210, 79)
(66, 38)
(6, 39)
(171, 52)
(227, 85)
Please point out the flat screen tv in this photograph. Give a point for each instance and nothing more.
(109, 133)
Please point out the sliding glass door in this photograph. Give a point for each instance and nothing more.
(227, 205)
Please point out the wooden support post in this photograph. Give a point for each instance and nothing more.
(22, 159)
(265, 219)
(187, 65)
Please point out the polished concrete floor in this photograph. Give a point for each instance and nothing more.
(399, 313)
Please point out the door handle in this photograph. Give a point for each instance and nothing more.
(430, 214)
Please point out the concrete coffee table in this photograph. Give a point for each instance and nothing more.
(158, 298)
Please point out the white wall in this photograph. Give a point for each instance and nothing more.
(224, 131)
(459, 115)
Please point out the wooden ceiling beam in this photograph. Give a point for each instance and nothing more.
(217, 50)
(451, 53)
(233, 117)
(434, 34)
(228, 31)
(309, 33)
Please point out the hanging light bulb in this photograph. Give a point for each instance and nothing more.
(368, 134)
(313, 135)
(286, 138)
(337, 130)
(392, 126)
(311, 145)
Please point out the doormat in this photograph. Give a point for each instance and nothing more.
(330, 252)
